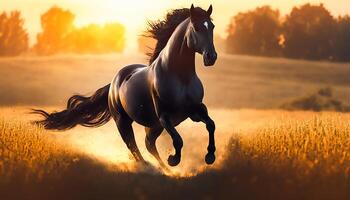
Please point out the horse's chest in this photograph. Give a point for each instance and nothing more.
(177, 95)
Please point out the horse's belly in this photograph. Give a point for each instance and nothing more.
(178, 117)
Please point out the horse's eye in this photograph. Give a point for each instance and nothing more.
(200, 27)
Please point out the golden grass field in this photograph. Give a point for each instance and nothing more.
(262, 152)
(291, 155)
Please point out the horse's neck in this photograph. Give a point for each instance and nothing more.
(176, 57)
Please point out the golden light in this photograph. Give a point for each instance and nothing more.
(133, 14)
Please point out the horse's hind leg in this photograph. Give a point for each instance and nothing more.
(151, 137)
(127, 134)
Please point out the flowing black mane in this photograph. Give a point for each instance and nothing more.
(161, 30)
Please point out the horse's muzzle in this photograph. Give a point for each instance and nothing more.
(209, 58)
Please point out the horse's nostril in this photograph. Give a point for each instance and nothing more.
(211, 56)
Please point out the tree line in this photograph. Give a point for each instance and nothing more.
(13, 37)
(59, 35)
(307, 32)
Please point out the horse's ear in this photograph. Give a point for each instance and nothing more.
(210, 10)
(192, 14)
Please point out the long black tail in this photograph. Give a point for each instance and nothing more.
(90, 111)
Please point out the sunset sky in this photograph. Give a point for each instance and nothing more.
(134, 13)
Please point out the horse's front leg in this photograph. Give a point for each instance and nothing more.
(173, 160)
(200, 113)
(165, 122)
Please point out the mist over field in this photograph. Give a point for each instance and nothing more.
(259, 146)
(246, 81)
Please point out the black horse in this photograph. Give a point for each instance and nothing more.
(159, 96)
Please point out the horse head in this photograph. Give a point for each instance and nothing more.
(200, 34)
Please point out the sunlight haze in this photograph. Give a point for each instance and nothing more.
(133, 14)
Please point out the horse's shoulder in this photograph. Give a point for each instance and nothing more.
(195, 90)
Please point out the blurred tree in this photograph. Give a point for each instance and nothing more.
(255, 32)
(98, 39)
(309, 33)
(59, 35)
(342, 39)
(13, 37)
(56, 24)
(112, 37)
(85, 39)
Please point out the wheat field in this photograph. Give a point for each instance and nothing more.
(262, 152)
(299, 155)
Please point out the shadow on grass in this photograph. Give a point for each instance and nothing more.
(246, 179)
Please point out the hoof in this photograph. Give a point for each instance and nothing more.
(173, 160)
(210, 158)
